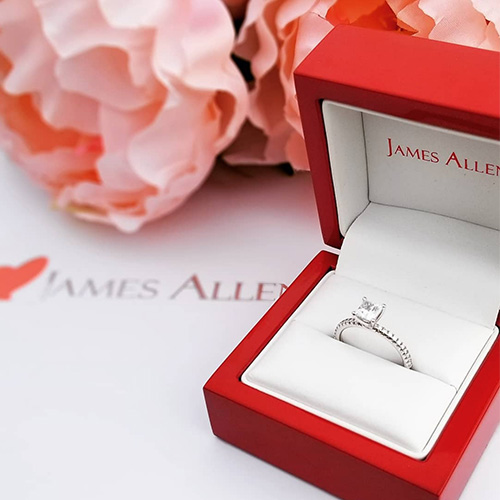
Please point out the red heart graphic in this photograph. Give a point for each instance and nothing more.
(12, 278)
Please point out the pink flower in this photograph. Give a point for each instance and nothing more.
(278, 34)
(237, 7)
(118, 108)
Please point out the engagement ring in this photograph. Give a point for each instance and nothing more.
(367, 316)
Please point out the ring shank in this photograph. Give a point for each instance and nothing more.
(382, 331)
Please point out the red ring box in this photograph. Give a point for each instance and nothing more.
(431, 83)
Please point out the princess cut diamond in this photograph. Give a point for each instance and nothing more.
(369, 312)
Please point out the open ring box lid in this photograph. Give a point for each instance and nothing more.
(402, 138)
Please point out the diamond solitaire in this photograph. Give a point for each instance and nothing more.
(369, 312)
(366, 316)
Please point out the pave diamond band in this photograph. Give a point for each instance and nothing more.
(367, 316)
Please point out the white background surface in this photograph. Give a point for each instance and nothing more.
(101, 398)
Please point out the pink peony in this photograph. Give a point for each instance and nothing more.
(278, 34)
(118, 108)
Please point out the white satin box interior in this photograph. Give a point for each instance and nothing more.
(419, 208)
